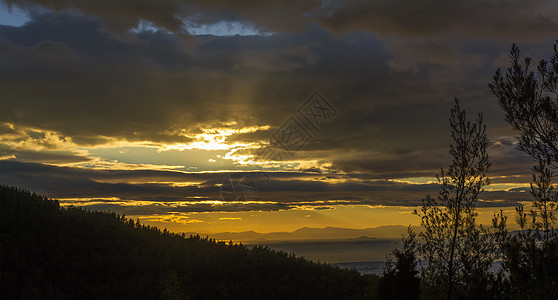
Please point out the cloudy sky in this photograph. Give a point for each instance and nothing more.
(256, 115)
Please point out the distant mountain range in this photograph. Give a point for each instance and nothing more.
(313, 234)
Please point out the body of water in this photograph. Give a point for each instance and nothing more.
(363, 267)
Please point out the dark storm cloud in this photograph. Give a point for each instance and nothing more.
(87, 84)
(505, 19)
(509, 20)
(83, 91)
(391, 68)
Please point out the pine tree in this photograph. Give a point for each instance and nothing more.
(458, 253)
(400, 278)
(530, 102)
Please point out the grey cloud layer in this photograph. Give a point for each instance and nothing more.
(510, 20)
(488, 18)
(284, 191)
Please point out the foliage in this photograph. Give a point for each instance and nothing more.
(530, 102)
(531, 262)
(400, 278)
(458, 253)
(49, 252)
(170, 287)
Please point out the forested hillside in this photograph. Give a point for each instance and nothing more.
(50, 252)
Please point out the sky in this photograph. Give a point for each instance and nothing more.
(212, 116)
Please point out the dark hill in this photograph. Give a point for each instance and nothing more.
(49, 252)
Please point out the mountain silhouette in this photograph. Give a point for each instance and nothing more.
(51, 252)
(310, 234)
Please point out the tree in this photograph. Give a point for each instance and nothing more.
(530, 103)
(457, 252)
(400, 278)
(170, 287)
(53, 252)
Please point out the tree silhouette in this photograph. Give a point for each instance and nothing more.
(400, 278)
(53, 252)
(457, 251)
(530, 102)
(170, 287)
